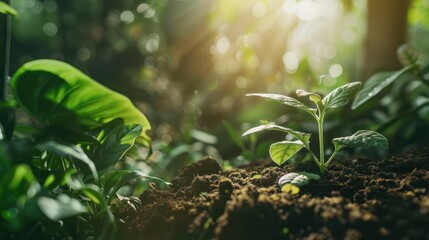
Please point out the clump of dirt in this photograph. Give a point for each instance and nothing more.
(358, 199)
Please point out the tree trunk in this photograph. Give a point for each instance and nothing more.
(387, 30)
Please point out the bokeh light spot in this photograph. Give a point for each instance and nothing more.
(50, 29)
(83, 54)
(307, 10)
(222, 45)
(259, 9)
(335, 70)
(127, 17)
(290, 6)
(241, 82)
(291, 62)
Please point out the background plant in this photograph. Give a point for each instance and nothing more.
(280, 152)
(399, 99)
(57, 177)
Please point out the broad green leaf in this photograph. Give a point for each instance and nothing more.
(6, 9)
(115, 144)
(70, 151)
(280, 152)
(341, 95)
(408, 55)
(303, 137)
(60, 95)
(312, 96)
(285, 100)
(95, 194)
(61, 207)
(378, 82)
(362, 138)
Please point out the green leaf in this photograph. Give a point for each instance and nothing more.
(61, 207)
(378, 82)
(341, 95)
(67, 151)
(280, 152)
(408, 55)
(6, 9)
(293, 178)
(285, 100)
(303, 137)
(362, 138)
(312, 96)
(114, 146)
(95, 194)
(58, 94)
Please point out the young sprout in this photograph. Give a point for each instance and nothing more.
(280, 152)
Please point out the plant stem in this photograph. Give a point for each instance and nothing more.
(3, 89)
(331, 158)
(321, 147)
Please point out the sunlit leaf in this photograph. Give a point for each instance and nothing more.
(378, 82)
(95, 194)
(303, 137)
(60, 95)
(312, 96)
(114, 146)
(285, 100)
(297, 179)
(280, 152)
(6, 9)
(362, 138)
(290, 188)
(69, 151)
(61, 207)
(341, 95)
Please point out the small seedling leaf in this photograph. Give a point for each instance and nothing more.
(290, 188)
(408, 55)
(280, 152)
(311, 176)
(362, 138)
(303, 137)
(312, 96)
(285, 100)
(341, 95)
(376, 83)
(293, 178)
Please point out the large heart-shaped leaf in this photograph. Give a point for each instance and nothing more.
(362, 138)
(285, 100)
(303, 137)
(280, 152)
(115, 144)
(341, 95)
(60, 95)
(378, 82)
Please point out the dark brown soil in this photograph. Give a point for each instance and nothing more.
(358, 199)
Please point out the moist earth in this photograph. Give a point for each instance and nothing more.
(357, 199)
